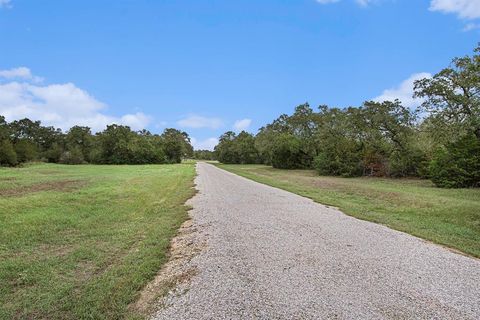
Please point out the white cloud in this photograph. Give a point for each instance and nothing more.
(5, 4)
(363, 3)
(60, 105)
(137, 121)
(243, 124)
(465, 9)
(471, 26)
(404, 92)
(207, 144)
(19, 73)
(195, 121)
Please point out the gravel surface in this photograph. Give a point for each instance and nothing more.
(272, 254)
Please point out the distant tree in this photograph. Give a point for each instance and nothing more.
(452, 97)
(147, 148)
(54, 153)
(452, 118)
(73, 155)
(339, 142)
(4, 129)
(115, 144)
(225, 150)
(457, 165)
(24, 129)
(388, 135)
(176, 145)
(26, 150)
(42, 138)
(286, 151)
(244, 146)
(8, 156)
(204, 155)
(79, 138)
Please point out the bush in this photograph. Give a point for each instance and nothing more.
(346, 165)
(286, 152)
(26, 150)
(54, 153)
(406, 163)
(8, 156)
(458, 164)
(73, 156)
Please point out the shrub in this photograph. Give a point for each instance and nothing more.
(8, 156)
(458, 164)
(54, 153)
(406, 163)
(286, 152)
(73, 156)
(346, 165)
(26, 150)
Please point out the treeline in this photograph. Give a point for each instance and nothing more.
(26, 140)
(204, 155)
(440, 140)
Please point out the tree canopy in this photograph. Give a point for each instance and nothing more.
(439, 140)
(26, 140)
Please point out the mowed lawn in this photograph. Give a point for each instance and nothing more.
(80, 242)
(450, 217)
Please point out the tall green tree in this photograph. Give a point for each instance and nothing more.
(225, 150)
(8, 156)
(452, 97)
(176, 145)
(80, 139)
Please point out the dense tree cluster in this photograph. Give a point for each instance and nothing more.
(440, 140)
(25, 140)
(204, 155)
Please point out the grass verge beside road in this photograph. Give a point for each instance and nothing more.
(450, 217)
(80, 242)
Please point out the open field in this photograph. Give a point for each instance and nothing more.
(79, 242)
(449, 217)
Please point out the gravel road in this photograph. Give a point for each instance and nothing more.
(271, 254)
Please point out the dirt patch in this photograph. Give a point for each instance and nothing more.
(8, 179)
(61, 185)
(321, 183)
(48, 171)
(183, 248)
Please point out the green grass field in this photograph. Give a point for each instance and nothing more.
(450, 217)
(80, 242)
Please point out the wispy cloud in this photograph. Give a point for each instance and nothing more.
(60, 105)
(363, 3)
(471, 26)
(243, 124)
(23, 73)
(404, 91)
(5, 4)
(207, 144)
(196, 122)
(465, 9)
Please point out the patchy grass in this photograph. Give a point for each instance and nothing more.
(80, 242)
(450, 217)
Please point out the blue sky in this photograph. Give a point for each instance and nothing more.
(211, 66)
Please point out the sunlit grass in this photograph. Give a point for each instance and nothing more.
(80, 242)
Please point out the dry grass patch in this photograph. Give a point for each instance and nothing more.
(59, 185)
